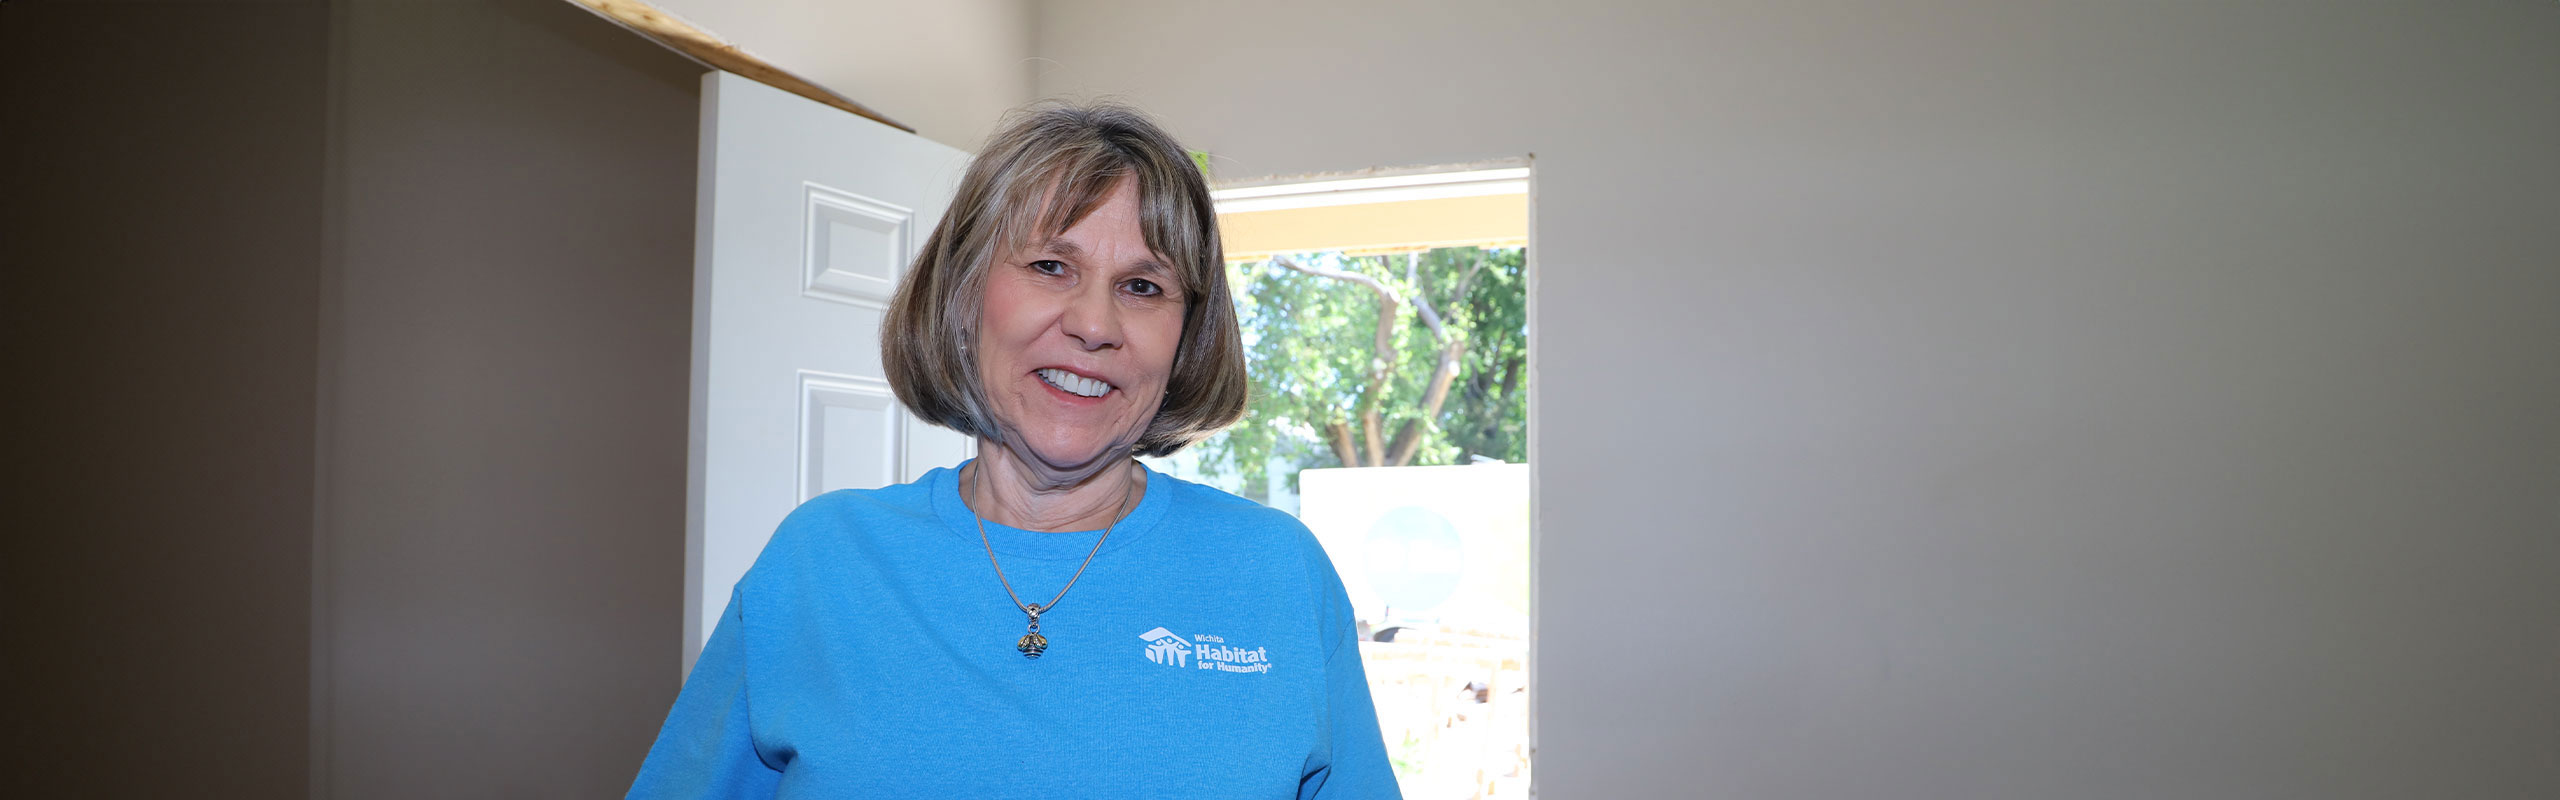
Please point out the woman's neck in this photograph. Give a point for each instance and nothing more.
(1001, 488)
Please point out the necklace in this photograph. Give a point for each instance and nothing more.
(1033, 644)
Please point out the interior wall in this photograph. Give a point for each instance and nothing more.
(506, 352)
(948, 69)
(1987, 399)
(159, 264)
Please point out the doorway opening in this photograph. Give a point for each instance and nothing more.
(1386, 329)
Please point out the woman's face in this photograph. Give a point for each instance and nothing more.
(1077, 340)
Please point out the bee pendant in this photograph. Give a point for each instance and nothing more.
(1032, 644)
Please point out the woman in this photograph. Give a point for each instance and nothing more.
(1051, 619)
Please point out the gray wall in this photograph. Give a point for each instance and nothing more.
(508, 317)
(1988, 399)
(159, 258)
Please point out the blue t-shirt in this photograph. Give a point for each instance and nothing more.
(1209, 651)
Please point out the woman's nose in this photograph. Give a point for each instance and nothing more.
(1092, 318)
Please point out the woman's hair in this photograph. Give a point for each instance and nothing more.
(1045, 168)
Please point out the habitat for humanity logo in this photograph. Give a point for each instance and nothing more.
(1164, 647)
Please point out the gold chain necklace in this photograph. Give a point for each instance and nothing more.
(1033, 644)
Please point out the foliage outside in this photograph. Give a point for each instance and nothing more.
(1386, 360)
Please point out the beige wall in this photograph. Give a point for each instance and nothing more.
(1987, 399)
(159, 259)
(947, 68)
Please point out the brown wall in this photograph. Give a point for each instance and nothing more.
(160, 217)
(509, 345)
(412, 277)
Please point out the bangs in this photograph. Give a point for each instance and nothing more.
(1075, 183)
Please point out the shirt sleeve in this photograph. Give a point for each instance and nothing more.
(706, 748)
(1352, 763)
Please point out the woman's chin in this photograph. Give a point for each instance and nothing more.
(1071, 456)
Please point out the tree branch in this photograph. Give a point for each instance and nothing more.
(1435, 390)
(1383, 355)
(1375, 285)
(1422, 298)
(1422, 293)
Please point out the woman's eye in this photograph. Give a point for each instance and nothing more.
(1049, 267)
(1144, 288)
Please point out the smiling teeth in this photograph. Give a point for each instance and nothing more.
(1074, 384)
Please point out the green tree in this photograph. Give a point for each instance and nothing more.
(1389, 360)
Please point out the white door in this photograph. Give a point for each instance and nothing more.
(808, 215)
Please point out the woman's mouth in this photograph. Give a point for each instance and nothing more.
(1074, 384)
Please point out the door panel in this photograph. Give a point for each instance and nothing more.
(849, 432)
(857, 246)
(807, 217)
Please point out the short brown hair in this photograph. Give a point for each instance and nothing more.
(1045, 168)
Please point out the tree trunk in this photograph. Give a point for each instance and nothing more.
(1510, 388)
(1435, 393)
(1369, 424)
(1408, 438)
(1382, 366)
(1511, 377)
(1342, 444)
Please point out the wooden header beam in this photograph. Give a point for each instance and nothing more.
(712, 51)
